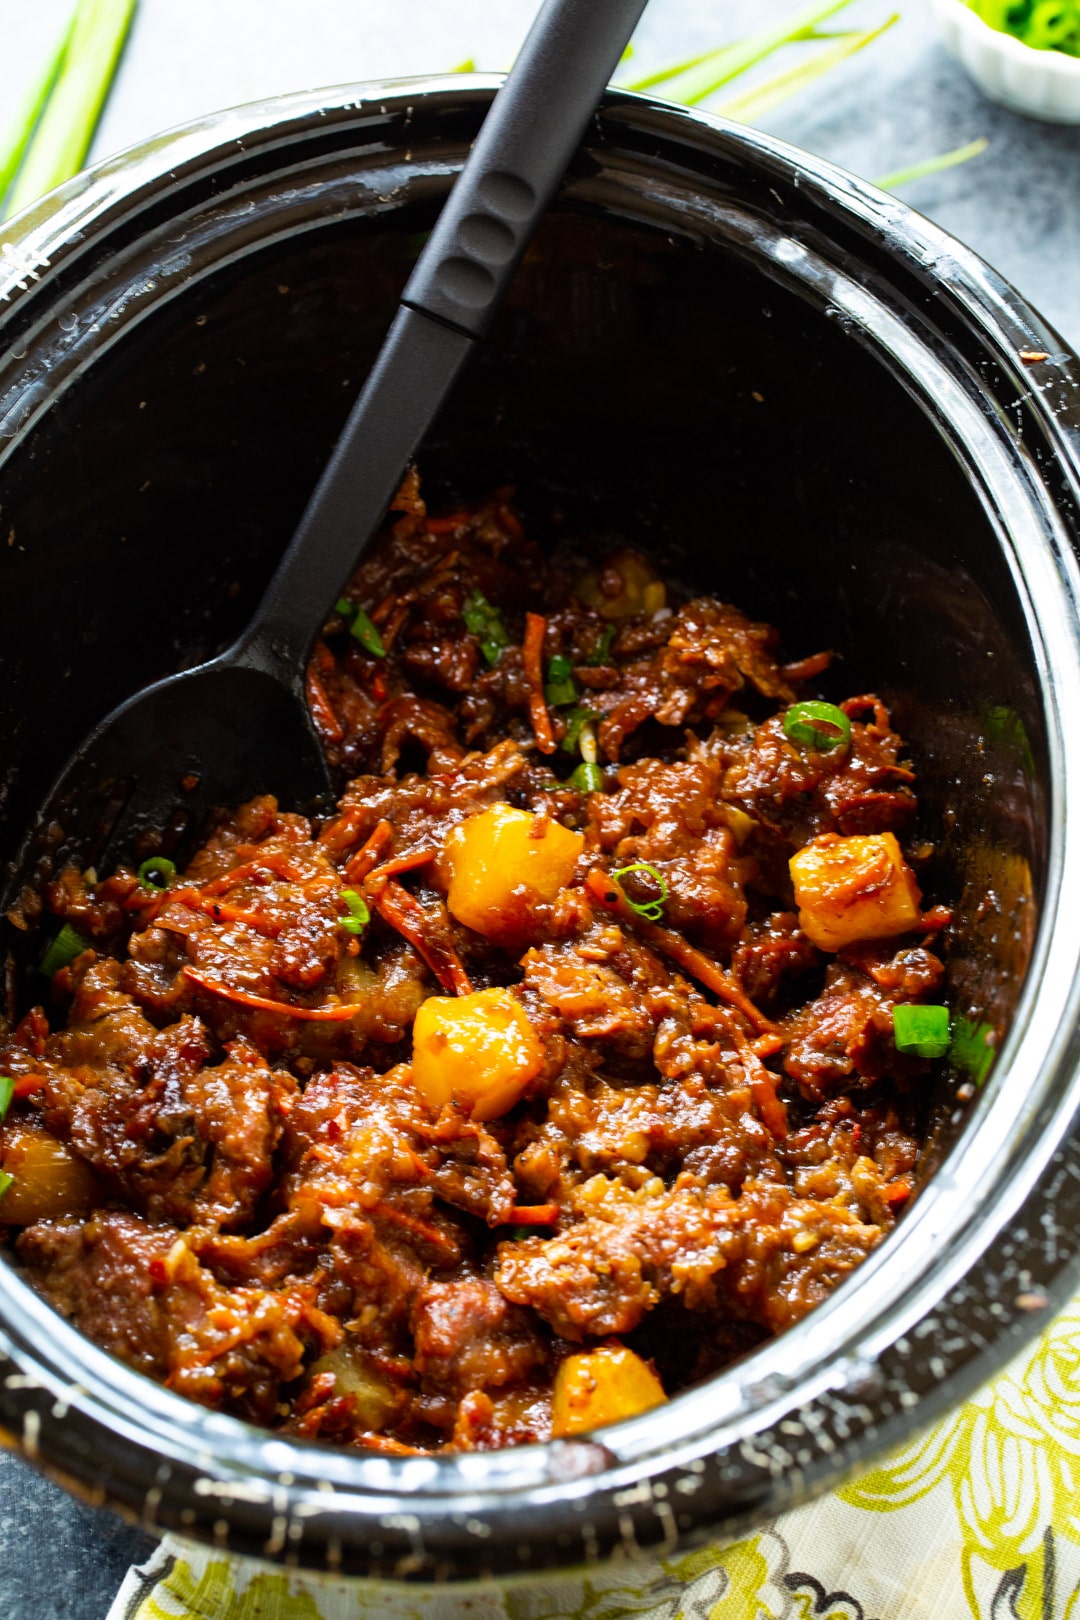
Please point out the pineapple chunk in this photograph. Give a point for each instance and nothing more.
(636, 587)
(503, 863)
(851, 889)
(50, 1183)
(598, 1387)
(477, 1051)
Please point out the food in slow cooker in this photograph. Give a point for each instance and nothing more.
(582, 1048)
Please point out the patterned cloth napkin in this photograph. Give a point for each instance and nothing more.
(979, 1516)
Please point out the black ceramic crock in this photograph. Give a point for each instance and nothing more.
(815, 401)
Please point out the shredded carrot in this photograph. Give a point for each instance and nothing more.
(392, 1366)
(806, 668)
(767, 1046)
(532, 651)
(604, 889)
(404, 913)
(368, 854)
(935, 919)
(532, 1215)
(222, 912)
(322, 711)
(390, 632)
(447, 525)
(276, 864)
(400, 863)
(246, 998)
(148, 901)
(897, 1191)
(27, 1084)
(370, 1441)
(763, 1090)
(413, 1223)
(510, 522)
(344, 830)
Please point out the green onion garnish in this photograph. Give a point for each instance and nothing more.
(970, 1048)
(7, 1091)
(157, 873)
(6, 1180)
(360, 626)
(366, 634)
(575, 720)
(923, 1031)
(587, 778)
(821, 726)
(484, 621)
(600, 652)
(652, 909)
(559, 689)
(359, 915)
(67, 945)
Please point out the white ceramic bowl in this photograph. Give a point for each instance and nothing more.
(1042, 84)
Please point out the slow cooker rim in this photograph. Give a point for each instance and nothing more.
(586, 1456)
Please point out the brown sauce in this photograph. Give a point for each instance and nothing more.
(421, 1127)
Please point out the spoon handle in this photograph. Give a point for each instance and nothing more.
(521, 154)
(527, 140)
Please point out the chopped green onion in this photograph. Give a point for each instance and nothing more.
(652, 909)
(366, 634)
(359, 915)
(821, 726)
(360, 626)
(67, 945)
(155, 869)
(971, 1048)
(588, 777)
(576, 720)
(560, 688)
(484, 621)
(6, 1180)
(923, 1031)
(1045, 25)
(518, 1234)
(601, 651)
(1005, 727)
(7, 1091)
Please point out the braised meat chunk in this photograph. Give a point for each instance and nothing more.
(582, 1047)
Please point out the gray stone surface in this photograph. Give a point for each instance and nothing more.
(901, 101)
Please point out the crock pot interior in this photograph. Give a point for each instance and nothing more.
(638, 384)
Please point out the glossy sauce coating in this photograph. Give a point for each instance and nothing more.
(672, 1122)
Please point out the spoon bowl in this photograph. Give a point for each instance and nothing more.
(155, 769)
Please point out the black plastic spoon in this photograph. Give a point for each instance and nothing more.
(217, 734)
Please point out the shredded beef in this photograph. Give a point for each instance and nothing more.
(714, 1124)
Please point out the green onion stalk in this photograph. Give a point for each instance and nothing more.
(56, 123)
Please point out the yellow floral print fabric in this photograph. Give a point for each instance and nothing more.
(978, 1518)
